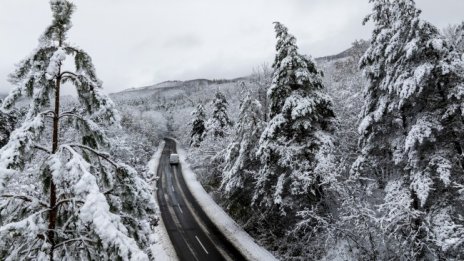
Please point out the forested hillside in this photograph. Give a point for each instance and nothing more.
(354, 156)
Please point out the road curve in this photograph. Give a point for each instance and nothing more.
(192, 233)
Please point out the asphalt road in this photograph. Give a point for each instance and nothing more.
(192, 233)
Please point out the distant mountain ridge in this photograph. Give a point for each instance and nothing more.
(358, 48)
(174, 84)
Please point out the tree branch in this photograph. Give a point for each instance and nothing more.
(70, 114)
(76, 239)
(47, 112)
(68, 200)
(98, 153)
(63, 74)
(25, 198)
(70, 111)
(42, 149)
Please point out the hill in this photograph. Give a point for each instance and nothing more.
(355, 50)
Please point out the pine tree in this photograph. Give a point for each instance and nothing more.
(198, 131)
(262, 77)
(241, 163)
(412, 130)
(72, 201)
(293, 145)
(455, 34)
(7, 123)
(220, 121)
(459, 43)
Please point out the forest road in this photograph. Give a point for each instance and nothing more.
(192, 233)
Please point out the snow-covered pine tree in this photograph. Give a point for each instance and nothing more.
(262, 77)
(198, 131)
(219, 122)
(455, 34)
(241, 163)
(293, 145)
(70, 201)
(7, 123)
(412, 131)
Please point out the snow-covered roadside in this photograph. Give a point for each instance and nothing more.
(163, 249)
(231, 230)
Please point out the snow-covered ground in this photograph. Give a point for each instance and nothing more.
(163, 248)
(231, 230)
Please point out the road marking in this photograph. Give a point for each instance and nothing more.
(173, 214)
(202, 245)
(182, 212)
(172, 187)
(192, 251)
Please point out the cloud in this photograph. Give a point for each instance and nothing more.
(187, 41)
(141, 42)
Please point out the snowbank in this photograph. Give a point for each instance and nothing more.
(163, 249)
(231, 230)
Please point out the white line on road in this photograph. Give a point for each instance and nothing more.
(182, 212)
(202, 245)
(172, 187)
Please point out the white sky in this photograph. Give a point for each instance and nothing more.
(141, 42)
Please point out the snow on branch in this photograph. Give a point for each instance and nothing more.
(30, 227)
(13, 154)
(96, 210)
(25, 198)
(102, 155)
(57, 59)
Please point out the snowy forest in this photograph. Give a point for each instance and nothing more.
(355, 156)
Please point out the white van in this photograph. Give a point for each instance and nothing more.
(174, 158)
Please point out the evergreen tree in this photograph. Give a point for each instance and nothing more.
(241, 163)
(412, 131)
(220, 120)
(262, 77)
(198, 126)
(7, 123)
(455, 34)
(293, 146)
(72, 201)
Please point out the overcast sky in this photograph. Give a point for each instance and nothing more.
(141, 42)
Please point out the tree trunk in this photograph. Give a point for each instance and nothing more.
(416, 226)
(53, 211)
